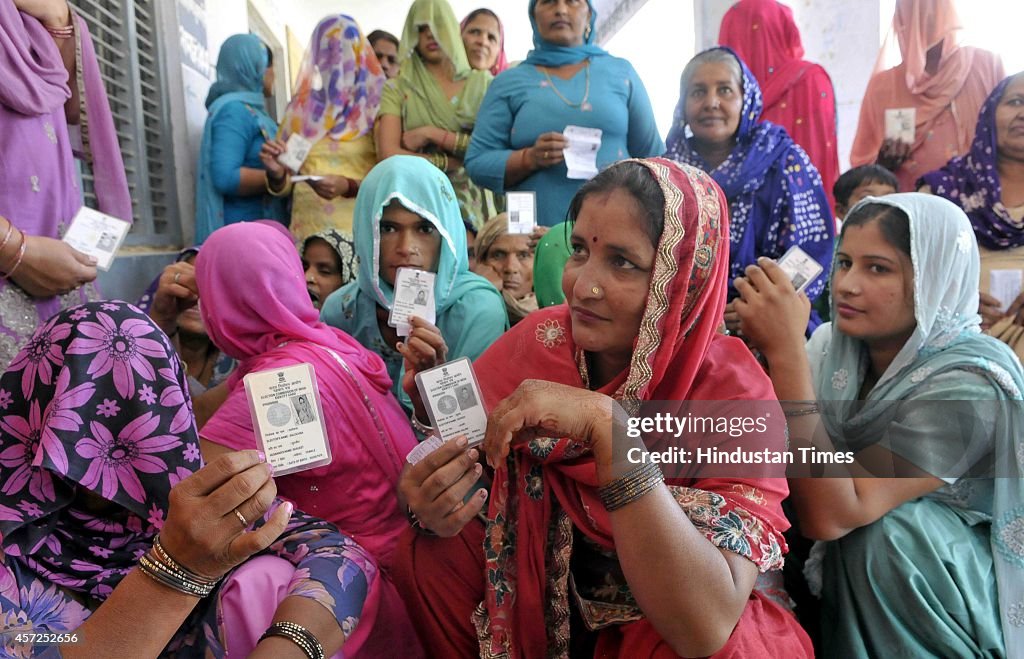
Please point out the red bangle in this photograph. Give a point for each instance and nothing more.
(353, 188)
(10, 230)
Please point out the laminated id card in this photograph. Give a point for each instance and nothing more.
(522, 212)
(453, 400)
(297, 148)
(799, 267)
(97, 234)
(288, 418)
(414, 296)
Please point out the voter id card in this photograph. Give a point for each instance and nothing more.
(414, 296)
(454, 403)
(97, 234)
(297, 149)
(288, 418)
(799, 267)
(522, 212)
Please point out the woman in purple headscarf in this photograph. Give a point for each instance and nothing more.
(100, 458)
(53, 108)
(988, 184)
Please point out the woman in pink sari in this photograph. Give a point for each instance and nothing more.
(49, 83)
(945, 83)
(256, 309)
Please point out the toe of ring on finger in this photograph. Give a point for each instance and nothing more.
(177, 276)
(241, 518)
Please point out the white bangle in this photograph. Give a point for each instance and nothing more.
(419, 426)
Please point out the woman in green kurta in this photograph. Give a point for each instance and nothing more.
(429, 110)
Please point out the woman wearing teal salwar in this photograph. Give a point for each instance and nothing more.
(470, 311)
(930, 564)
(430, 108)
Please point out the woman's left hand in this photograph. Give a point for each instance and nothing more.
(423, 349)
(538, 408)
(418, 139)
(773, 317)
(330, 186)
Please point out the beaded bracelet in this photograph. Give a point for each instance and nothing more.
(21, 257)
(298, 635)
(631, 486)
(170, 562)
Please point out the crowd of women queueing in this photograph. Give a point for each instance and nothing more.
(139, 518)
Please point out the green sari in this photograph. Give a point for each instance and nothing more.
(418, 99)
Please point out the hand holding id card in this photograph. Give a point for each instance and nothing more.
(288, 418)
(414, 296)
(522, 212)
(297, 149)
(97, 234)
(454, 403)
(799, 267)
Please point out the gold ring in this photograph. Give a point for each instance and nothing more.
(595, 290)
(547, 154)
(241, 518)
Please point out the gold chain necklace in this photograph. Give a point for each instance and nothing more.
(583, 105)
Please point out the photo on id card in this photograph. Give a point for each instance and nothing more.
(799, 267)
(451, 394)
(414, 296)
(288, 418)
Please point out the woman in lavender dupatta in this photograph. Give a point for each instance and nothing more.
(41, 42)
(98, 456)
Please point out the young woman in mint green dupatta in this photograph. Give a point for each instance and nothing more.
(230, 181)
(907, 378)
(470, 312)
(430, 108)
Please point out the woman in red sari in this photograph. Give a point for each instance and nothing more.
(798, 94)
(567, 567)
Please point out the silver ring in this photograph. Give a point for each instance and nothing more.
(177, 275)
(241, 518)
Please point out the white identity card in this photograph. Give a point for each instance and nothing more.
(414, 296)
(288, 418)
(307, 177)
(1005, 286)
(522, 212)
(97, 234)
(899, 124)
(456, 407)
(297, 148)
(799, 267)
(581, 154)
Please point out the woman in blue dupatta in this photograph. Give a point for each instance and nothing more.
(566, 80)
(776, 197)
(931, 562)
(988, 183)
(231, 183)
(407, 214)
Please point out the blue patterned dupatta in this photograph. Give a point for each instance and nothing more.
(776, 198)
(936, 363)
(97, 428)
(972, 181)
